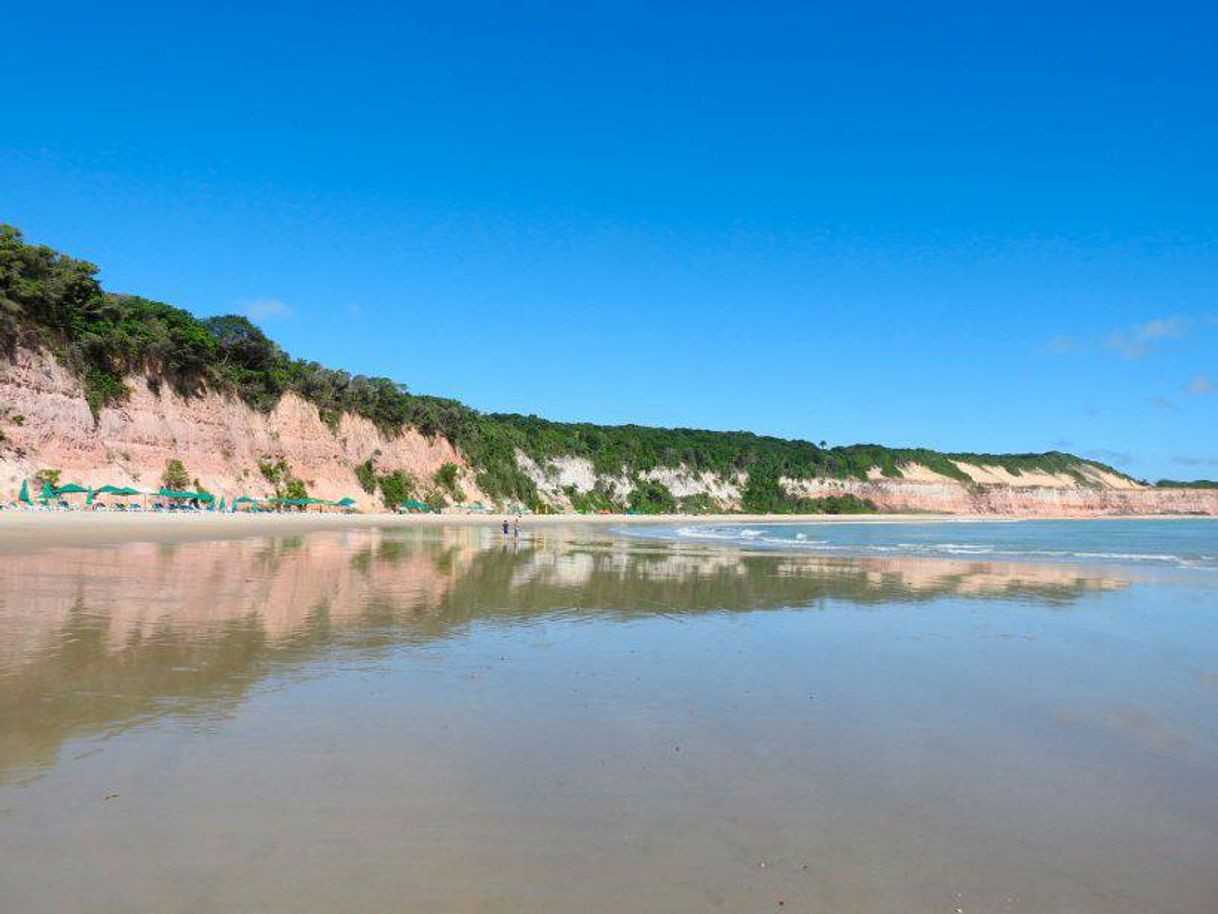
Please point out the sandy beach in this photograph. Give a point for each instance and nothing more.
(19, 529)
(336, 713)
(24, 528)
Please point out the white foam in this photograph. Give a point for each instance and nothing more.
(778, 537)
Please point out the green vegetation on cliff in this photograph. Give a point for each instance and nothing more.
(52, 301)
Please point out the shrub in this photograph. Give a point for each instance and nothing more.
(279, 474)
(396, 487)
(294, 488)
(446, 478)
(652, 497)
(366, 476)
(48, 476)
(699, 503)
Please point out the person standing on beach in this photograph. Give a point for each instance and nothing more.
(505, 527)
(515, 527)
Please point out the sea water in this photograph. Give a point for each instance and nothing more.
(1183, 542)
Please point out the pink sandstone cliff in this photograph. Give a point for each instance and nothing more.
(218, 438)
(46, 424)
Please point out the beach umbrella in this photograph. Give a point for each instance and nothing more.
(345, 503)
(25, 492)
(71, 488)
(175, 493)
(125, 491)
(115, 490)
(48, 491)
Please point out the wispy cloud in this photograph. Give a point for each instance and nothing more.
(1106, 456)
(1061, 345)
(1201, 385)
(1195, 461)
(1140, 341)
(1162, 403)
(266, 309)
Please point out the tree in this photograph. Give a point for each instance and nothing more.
(175, 475)
(366, 475)
(43, 477)
(396, 487)
(652, 497)
(295, 488)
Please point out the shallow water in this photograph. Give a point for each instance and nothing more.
(429, 720)
(1178, 542)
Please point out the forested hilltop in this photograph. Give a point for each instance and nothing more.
(50, 301)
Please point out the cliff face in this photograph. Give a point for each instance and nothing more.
(1027, 499)
(46, 424)
(994, 491)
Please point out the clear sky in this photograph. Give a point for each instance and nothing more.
(972, 226)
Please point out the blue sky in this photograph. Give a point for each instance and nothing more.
(966, 226)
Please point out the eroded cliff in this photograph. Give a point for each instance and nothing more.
(220, 440)
(223, 443)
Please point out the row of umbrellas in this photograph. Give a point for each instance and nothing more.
(49, 492)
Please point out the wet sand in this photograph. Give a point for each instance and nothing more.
(21, 529)
(422, 718)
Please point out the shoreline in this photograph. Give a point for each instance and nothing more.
(21, 529)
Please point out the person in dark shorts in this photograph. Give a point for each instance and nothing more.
(505, 527)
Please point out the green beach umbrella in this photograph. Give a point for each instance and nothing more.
(71, 488)
(115, 490)
(175, 493)
(48, 491)
(125, 491)
(25, 492)
(345, 503)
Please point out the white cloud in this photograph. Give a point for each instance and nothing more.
(1139, 341)
(1162, 403)
(1060, 345)
(266, 309)
(1201, 385)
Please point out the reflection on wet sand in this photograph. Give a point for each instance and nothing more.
(99, 638)
(435, 720)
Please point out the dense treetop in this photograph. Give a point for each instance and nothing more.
(49, 300)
